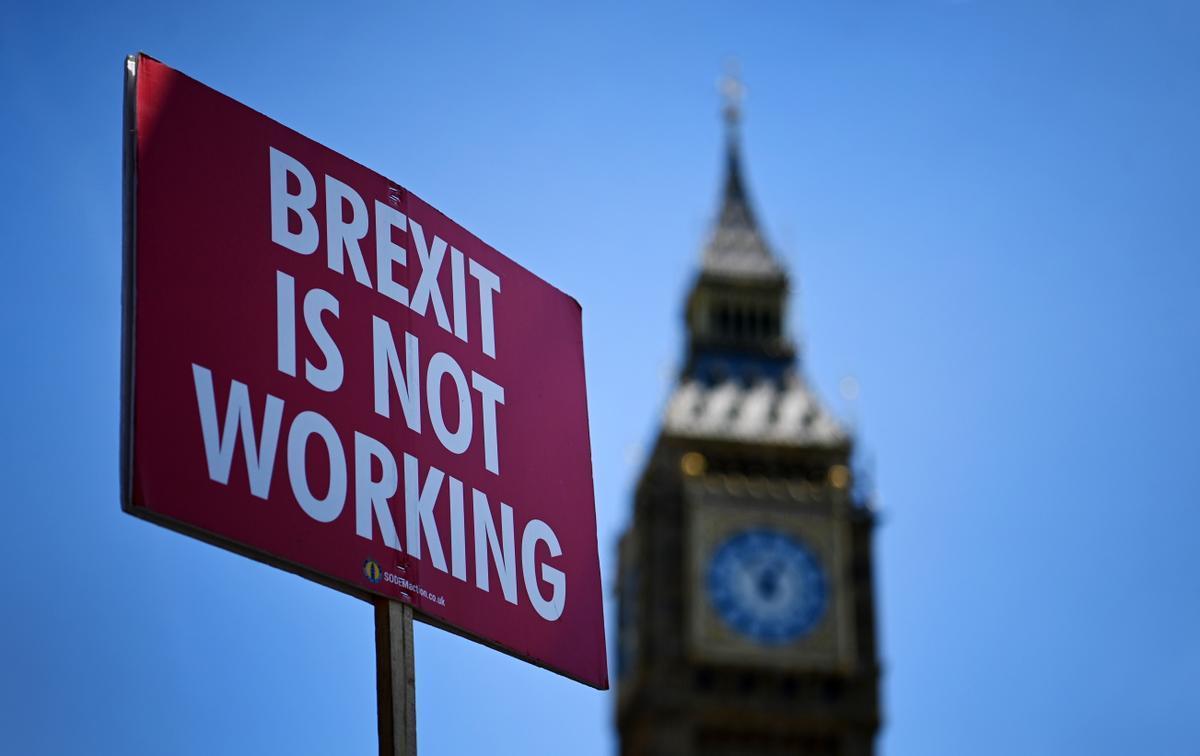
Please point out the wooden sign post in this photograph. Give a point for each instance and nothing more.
(395, 678)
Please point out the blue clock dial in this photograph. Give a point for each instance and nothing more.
(767, 585)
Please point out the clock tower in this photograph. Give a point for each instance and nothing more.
(746, 606)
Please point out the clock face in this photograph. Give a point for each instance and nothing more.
(767, 585)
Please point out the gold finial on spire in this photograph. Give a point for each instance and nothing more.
(732, 90)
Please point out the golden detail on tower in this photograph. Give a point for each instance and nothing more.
(693, 464)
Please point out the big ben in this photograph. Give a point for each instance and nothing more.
(746, 606)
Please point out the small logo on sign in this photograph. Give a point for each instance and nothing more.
(371, 571)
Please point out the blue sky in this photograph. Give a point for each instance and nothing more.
(990, 209)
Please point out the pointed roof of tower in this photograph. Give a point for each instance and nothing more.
(741, 382)
(737, 247)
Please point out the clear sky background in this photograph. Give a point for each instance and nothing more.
(992, 211)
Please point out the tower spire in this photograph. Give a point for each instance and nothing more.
(736, 247)
(736, 309)
(733, 92)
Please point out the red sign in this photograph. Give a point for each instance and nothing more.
(325, 373)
